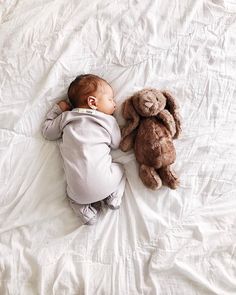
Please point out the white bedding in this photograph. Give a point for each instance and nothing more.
(164, 242)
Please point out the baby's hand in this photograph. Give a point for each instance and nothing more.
(64, 106)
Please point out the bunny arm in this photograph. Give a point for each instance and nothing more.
(127, 143)
(173, 107)
(168, 120)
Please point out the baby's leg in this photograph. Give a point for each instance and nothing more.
(113, 201)
(86, 212)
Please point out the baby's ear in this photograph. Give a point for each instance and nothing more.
(92, 102)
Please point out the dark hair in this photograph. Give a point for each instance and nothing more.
(81, 87)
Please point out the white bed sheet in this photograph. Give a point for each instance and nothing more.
(164, 242)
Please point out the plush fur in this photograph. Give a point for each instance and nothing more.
(153, 121)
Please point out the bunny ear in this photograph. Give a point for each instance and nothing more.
(173, 107)
(130, 114)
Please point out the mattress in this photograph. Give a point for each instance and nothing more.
(167, 242)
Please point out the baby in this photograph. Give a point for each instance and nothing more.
(88, 132)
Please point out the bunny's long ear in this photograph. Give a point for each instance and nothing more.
(173, 107)
(132, 117)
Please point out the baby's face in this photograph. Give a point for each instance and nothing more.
(105, 99)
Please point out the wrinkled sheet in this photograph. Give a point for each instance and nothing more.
(159, 242)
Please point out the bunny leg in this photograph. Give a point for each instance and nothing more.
(150, 177)
(169, 177)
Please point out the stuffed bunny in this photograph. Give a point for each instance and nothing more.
(153, 121)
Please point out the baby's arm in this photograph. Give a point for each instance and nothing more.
(51, 127)
(115, 136)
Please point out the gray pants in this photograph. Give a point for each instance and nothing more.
(88, 212)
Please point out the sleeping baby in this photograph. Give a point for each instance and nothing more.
(88, 132)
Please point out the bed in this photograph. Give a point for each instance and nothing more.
(165, 242)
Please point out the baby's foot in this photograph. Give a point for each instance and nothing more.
(96, 206)
(113, 201)
(87, 213)
(92, 221)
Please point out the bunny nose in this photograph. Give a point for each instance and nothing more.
(148, 104)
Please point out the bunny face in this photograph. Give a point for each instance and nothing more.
(148, 102)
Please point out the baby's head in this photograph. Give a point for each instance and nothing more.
(91, 91)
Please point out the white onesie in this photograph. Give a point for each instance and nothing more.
(87, 137)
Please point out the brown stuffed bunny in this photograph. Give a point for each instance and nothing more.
(153, 122)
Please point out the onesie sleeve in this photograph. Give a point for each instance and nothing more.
(51, 127)
(115, 135)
